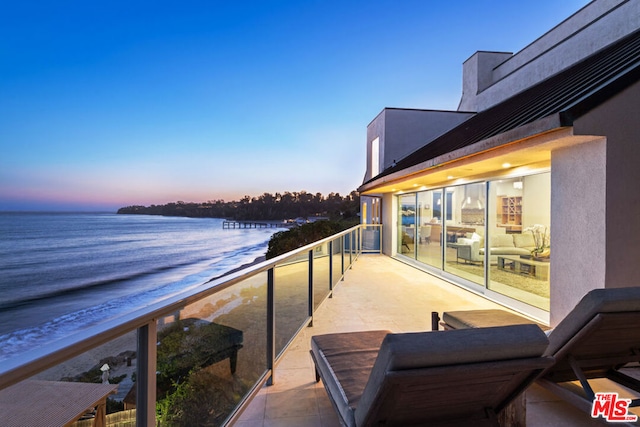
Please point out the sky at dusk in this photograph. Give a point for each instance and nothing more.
(115, 103)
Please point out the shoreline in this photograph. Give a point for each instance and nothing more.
(111, 349)
(258, 260)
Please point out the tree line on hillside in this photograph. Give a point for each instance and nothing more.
(265, 207)
(285, 241)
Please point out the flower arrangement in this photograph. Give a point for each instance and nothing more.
(542, 240)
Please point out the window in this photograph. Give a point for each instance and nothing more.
(407, 225)
(437, 205)
(466, 208)
(495, 234)
(375, 157)
(429, 247)
(519, 222)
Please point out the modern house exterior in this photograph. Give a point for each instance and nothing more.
(526, 194)
(541, 154)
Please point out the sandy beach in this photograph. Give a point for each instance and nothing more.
(111, 351)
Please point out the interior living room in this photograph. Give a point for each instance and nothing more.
(445, 229)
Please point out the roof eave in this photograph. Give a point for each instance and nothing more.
(539, 127)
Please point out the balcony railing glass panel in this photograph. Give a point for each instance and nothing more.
(95, 386)
(200, 355)
(291, 291)
(211, 353)
(337, 249)
(321, 278)
(371, 239)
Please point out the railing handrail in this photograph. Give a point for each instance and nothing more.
(31, 362)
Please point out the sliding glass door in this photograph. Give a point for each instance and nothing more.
(464, 254)
(429, 227)
(519, 238)
(407, 225)
(498, 229)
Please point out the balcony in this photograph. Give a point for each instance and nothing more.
(377, 293)
(235, 351)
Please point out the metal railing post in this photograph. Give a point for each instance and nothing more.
(311, 287)
(331, 269)
(146, 375)
(271, 326)
(350, 249)
(342, 257)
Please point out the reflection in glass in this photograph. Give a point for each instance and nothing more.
(512, 222)
(320, 274)
(210, 354)
(464, 231)
(105, 374)
(291, 300)
(337, 260)
(429, 248)
(407, 225)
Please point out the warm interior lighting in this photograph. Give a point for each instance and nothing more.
(506, 165)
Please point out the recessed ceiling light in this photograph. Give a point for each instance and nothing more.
(450, 177)
(506, 165)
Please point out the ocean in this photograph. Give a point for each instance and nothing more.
(61, 272)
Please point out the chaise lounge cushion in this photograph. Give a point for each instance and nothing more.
(346, 362)
(611, 316)
(597, 339)
(437, 348)
(485, 318)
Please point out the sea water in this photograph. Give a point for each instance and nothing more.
(62, 272)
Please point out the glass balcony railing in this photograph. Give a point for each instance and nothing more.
(194, 359)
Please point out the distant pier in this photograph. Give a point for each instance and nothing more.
(229, 225)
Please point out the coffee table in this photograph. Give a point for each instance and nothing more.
(529, 267)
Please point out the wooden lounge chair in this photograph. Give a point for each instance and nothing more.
(595, 340)
(442, 378)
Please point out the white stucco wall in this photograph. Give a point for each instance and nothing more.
(477, 75)
(597, 25)
(617, 118)
(578, 218)
(403, 131)
(390, 221)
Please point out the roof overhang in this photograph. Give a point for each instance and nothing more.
(520, 151)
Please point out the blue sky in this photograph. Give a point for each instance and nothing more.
(108, 104)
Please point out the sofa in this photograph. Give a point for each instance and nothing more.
(472, 248)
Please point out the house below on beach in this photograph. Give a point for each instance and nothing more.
(526, 193)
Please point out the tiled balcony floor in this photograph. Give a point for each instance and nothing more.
(377, 293)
